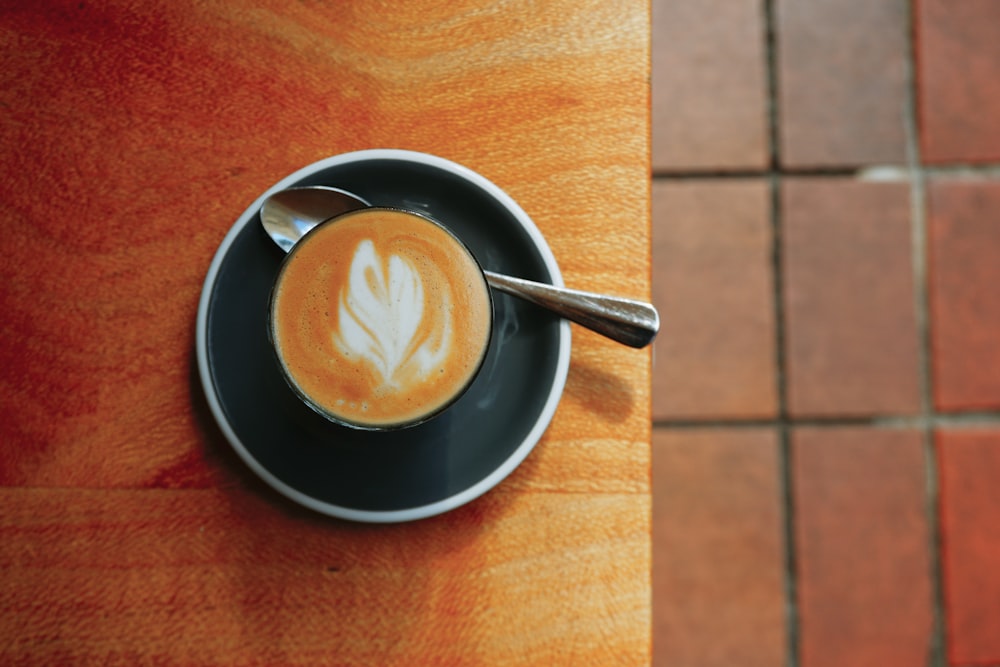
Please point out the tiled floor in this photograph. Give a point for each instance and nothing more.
(826, 450)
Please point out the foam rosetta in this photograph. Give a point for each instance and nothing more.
(380, 315)
(380, 318)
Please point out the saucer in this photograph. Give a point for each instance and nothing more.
(400, 475)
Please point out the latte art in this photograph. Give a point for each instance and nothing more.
(380, 318)
(380, 313)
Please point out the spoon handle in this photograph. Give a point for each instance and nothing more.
(633, 323)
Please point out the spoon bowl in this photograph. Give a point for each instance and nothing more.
(288, 214)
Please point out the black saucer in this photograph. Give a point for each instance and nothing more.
(416, 472)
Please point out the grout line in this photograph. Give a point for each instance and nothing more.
(785, 472)
(706, 174)
(878, 172)
(786, 453)
(913, 170)
(772, 170)
(937, 648)
(963, 171)
(965, 420)
(956, 421)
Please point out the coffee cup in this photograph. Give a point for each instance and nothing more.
(380, 318)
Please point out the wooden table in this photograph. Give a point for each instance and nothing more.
(134, 134)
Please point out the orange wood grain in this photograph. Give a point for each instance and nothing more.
(203, 577)
(134, 134)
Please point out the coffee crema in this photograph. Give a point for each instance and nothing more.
(380, 318)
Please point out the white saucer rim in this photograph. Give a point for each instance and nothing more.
(440, 506)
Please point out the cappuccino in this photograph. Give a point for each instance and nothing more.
(380, 318)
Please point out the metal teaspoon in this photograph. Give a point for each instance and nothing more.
(288, 214)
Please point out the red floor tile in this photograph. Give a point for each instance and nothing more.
(851, 336)
(718, 586)
(709, 88)
(969, 464)
(841, 82)
(713, 285)
(964, 240)
(958, 49)
(862, 542)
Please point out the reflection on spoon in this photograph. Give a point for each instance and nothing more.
(288, 214)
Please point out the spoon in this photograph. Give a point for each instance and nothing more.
(288, 214)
